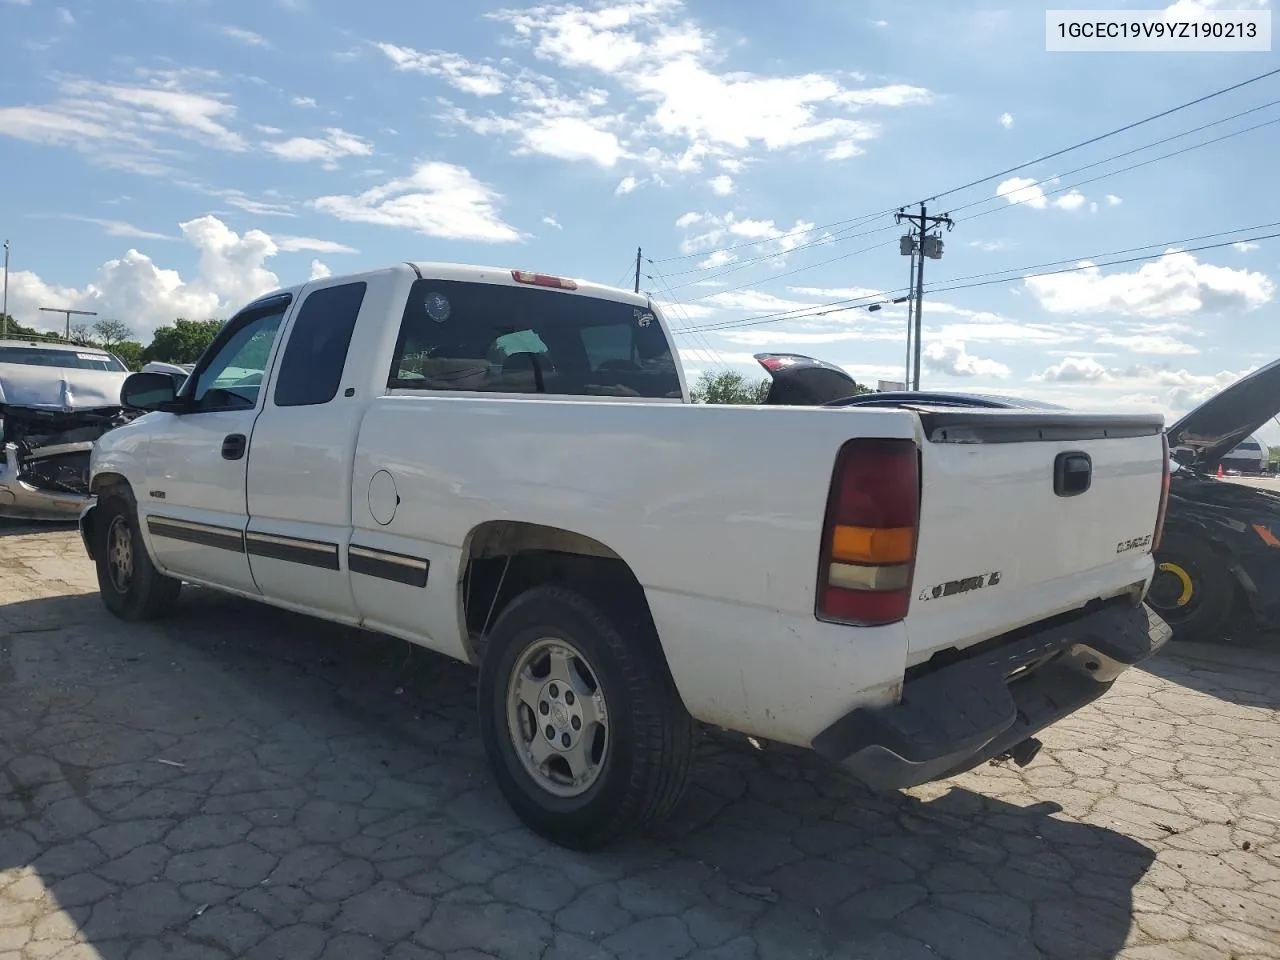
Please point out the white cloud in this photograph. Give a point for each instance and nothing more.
(1071, 200)
(260, 208)
(1024, 191)
(752, 301)
(574, 138)
(230, 272)
(950, 357)
(65, 17)
(1076, 370)
(438, 199)
(718, 258)
(718, 230)
(466, 75)
(990, 246)
(1245, 246)
(1113, 200)
(319, 271)
(550, 123)
(311, 245)
(1175, 285)
(333, 147)
(552, 222)
(667, 67)
(304, 101)
(116, 228)
(626, 185)
(129, 126)
(245, 36)
(722, 185)
(1006, 120)
(1150, 343)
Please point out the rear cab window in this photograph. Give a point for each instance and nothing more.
(489, 338)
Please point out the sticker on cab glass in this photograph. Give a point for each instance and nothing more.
(643, 318)
(437, 307)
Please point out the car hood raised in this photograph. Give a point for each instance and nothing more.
(59, 388)
(803, 381)
(1213, 429)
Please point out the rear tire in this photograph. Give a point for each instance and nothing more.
(585, 759)
(1192, 589)
(130, 585)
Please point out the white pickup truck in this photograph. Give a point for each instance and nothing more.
(504, 467)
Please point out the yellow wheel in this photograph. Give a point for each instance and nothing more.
(1192, 588)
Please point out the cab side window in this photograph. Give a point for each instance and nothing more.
(316, 354)
(232, 378)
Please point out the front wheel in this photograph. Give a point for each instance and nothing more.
(580, 718)
(130, 585)
(1192, 589)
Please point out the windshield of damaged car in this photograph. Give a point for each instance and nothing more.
(67, 359)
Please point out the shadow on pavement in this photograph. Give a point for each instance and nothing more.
(243, 781)
(1243, 673)
(18, 528)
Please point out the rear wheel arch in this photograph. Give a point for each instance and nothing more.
(503, 558)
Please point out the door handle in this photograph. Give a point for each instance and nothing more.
(233, 446)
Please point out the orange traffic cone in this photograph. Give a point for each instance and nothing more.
(1220, 473)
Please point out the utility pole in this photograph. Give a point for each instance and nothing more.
(4, 305)
(637, 269)
(919, 245)
(78, 313)
(910, 298)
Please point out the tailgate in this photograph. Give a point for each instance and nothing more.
(1003, 542)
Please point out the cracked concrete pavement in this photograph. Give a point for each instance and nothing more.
(242, 782)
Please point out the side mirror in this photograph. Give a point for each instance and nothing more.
(148, 391)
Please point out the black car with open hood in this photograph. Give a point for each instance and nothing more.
(1220, 554)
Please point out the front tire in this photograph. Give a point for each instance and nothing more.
(1192, 589)
(130, 585)
(581, 721)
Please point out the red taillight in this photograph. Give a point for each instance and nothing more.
(543, 280)
(869, 535)
(1164, 495)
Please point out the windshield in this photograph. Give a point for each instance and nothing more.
(66, 359)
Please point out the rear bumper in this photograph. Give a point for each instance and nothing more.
(20, 500)
(956, 717)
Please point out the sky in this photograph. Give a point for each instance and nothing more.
(168, 158)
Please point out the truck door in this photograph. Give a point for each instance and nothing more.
(299, 479)
(193, 507)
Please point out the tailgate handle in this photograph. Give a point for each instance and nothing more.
(1072, 474)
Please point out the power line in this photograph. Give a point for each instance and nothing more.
(973, 183)
(1004, 204)
(688, 326)
(1145, 146)
(1132, 166)
(958, 283)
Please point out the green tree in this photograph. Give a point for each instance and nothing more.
(130, 353)
(183, 342)
(111, 332)
(16, 331)
(728, 386)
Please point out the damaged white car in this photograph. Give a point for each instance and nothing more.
(55, 400)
